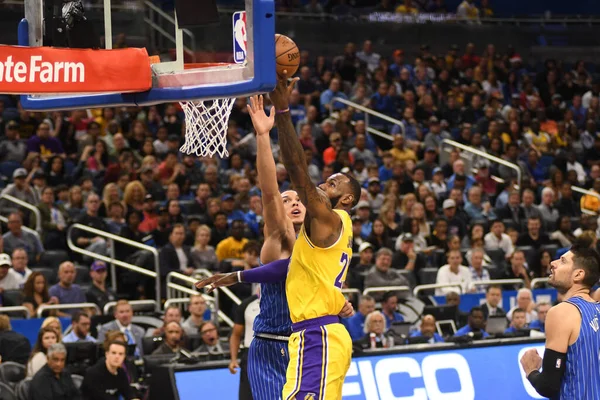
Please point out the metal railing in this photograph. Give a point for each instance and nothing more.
(586, 192)
(490, 157)
(16, 309)
(34, 209)
(369, 111)
(386, 289)
(430, 286)
(154, 19)
(25, 228)
(112, 261)
(537, 281)
(111, 304)
(45, 307)
(500, 282)
(177, 291)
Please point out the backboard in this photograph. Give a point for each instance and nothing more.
(174, 80)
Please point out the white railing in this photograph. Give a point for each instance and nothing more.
(537, 281)
(34, 209)
(520, 282)
(23, 309)
(486, 155)
(45, 307)
(386, 289)
(25, 228)
(112, 261)
(430, 286)
(369, 111)
(111, 304)
(156, 14)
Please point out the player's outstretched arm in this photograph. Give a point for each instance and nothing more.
(272, 272)
(318, 206)
(274, 215)
(559, 327)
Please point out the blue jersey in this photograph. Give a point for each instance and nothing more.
(583, 357)
(274, 316)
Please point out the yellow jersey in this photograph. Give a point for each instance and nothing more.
(315, 277)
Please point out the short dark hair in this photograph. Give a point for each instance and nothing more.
(490, 287)
(251, 247)
(588, 260)
(355, 187)
(519, 310)
(117, 342)
(475, 309)
(77, 316)
(388, 295)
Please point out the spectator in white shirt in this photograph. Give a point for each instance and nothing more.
(478, 272)
(9, 278)
(19, 263)
(497, 239)
(454, 272)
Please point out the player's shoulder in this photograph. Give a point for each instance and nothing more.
(563, 310)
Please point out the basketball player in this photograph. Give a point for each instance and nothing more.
(571, 363)
(283, 214)
(320, 346)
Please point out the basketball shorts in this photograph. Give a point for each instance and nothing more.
(320, 355)
(267, 364)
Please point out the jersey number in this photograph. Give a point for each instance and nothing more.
(344, 264)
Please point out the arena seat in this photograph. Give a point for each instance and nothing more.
(49, 274)
(427, 275)
(7, 392)
(23, 389)
(12, 297)
(77, 380)
(12, 373)
(53, 258)
(83, 275)
(151, 343)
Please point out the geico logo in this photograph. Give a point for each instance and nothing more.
(37, 70)
(377, 382)
(530, 390)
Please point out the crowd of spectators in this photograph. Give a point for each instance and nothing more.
(428, 213)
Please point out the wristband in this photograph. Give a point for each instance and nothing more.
(283, 111)
(239, 276)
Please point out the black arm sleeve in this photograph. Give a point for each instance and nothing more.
(547, 383)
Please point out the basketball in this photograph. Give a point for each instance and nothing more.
(287, 55)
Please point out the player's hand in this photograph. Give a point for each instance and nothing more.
(233, 366)
(217, 281)
(262, 123)
(280, 96)
(531, 361)
(347, 311)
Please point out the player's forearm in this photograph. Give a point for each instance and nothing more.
(292, 152)
(234, 346)
(272, 272)
(273, 212)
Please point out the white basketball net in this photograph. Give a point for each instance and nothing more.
(206, 126)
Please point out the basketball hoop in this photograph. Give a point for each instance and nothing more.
(206, 123)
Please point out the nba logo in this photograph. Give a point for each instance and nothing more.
(239, 37)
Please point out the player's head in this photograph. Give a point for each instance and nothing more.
(578, 267)
(293, 207)
(343, 190)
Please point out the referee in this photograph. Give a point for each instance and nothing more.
(243, 329)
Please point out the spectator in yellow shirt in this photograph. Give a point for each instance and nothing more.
(401, 153)
(467, 10)
(407, 8)
(233, 246)
(589, 202)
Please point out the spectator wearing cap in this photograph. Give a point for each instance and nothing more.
(363, 212)
(484, 179)
(437, 185)
(12, 148)
(98, 293)
(382, 274)
(65, 290)
(44, 144)
(389, 308)
(358, 270)
(20, 189)
(428, 164)
(435, 138)
(454, 273)
(405, 256)
(9, 278)
(18, 238)
(228, 206)
(399, 63)
(150, 184)
(173, 142)
(376, 198)
(456, 226)
(400, 152)
(149, 215)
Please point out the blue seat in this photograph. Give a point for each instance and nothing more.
(7, 168)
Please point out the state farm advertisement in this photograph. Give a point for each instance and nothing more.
(36, 70)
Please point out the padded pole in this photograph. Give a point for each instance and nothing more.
(107, 25)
